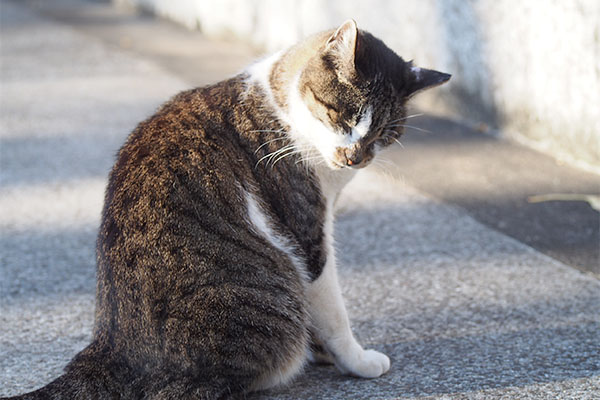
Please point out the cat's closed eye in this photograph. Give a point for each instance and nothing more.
(334, 116)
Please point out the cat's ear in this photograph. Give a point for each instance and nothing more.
(423, 78)
(341, 46)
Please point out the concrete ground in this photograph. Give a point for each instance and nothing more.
(473, 291)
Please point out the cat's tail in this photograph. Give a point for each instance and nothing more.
(88, 376)
(100, 385)
(75, 384)
(99, 378)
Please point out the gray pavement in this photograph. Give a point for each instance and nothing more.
(497, 182)
(463, 309)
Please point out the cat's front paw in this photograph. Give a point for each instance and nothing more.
(366, 364)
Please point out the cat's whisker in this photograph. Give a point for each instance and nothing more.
(313, 155)
(387, 168)
(279, 152)
(267, 142)
(273, 154)
(284, 155)
(380, 165)
(397, 141)
(407, 117)
(267, 130)
(409, 126)
(388, 162)
(392, 137)
(310, 159)
(296, 150)
(284, 151)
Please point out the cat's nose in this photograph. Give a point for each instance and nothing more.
(353, 158)
(352, 163)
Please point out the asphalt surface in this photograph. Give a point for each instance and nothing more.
(510, 188)
(473, 291)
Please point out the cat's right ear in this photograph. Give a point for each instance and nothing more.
(341, 46)
(422, 78)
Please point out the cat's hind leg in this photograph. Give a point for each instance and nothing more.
(275, 330)
(318, 354)
(249, 330)
(284, 372)
(255, 358)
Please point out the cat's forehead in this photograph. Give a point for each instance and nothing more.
(377, 63)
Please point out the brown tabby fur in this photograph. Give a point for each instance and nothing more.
(192, 302)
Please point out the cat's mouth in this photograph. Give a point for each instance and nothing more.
(349, 164)
(352, 157)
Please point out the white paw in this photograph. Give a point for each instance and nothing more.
(366, 364)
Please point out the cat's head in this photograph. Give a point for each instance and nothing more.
(349, 100)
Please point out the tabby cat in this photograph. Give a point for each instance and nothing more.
(216, 268)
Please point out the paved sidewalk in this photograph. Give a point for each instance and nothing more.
(463, 310)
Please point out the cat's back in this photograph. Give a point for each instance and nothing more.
(194, 137)
(193, 118)
(176, 228)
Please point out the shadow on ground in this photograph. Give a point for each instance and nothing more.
(492, 180)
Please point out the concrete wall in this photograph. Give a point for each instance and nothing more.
(528, 67)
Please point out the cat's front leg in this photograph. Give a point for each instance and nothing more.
(332, 327)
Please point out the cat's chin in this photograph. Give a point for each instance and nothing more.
(339, 167)
(360, 166)
(336, 166)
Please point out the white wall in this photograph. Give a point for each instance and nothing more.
(529, 67)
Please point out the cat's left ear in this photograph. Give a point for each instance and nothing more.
(341, 46)
(423, 78)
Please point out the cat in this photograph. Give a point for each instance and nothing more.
(216, 271)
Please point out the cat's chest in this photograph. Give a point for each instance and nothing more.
(331, 182)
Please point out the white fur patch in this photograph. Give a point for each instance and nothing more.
(310, 135)
(309, 131)
(259, 73)
(262, 226)
(330, 319)
(296, 361)
(416, 71)
(364, 125)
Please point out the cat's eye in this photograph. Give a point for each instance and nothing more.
(333, 115)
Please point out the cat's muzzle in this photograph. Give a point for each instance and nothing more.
(354, 156)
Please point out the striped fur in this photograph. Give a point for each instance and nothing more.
(216, 264)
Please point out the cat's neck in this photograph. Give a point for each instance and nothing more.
(277, 73)
(290, 64)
